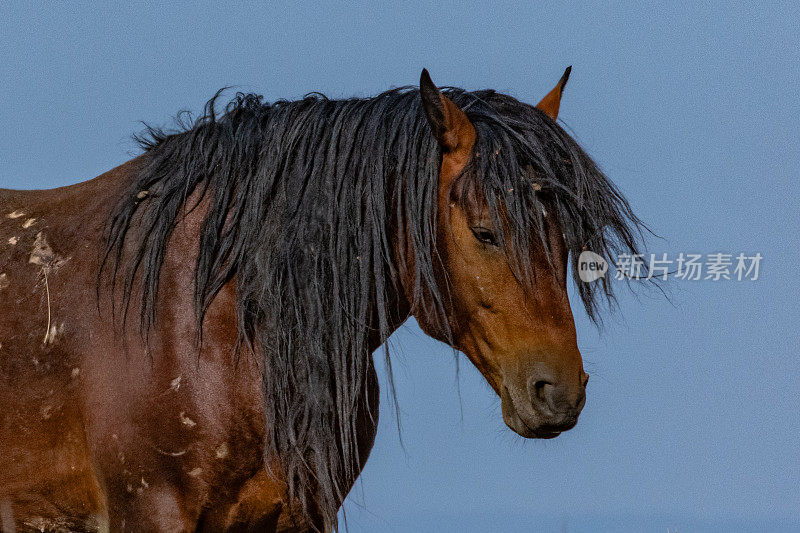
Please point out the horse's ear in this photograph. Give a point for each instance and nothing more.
(552, 101)
(449, 124)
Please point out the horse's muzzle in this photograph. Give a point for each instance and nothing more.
(544, 409)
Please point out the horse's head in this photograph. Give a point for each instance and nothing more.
(511, 318)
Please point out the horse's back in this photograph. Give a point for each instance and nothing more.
(50, 241)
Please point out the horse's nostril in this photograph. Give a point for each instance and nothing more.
(553, 400)
(584, 379)
(542, 390)
(543, 394)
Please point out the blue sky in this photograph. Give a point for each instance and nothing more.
(693, 415)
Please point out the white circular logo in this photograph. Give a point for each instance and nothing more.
(591, 266)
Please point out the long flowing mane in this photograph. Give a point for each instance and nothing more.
(307, 202)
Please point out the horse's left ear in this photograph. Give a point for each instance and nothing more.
(449, 123)
(552, 101)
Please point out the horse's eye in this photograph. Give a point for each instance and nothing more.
(485, 235)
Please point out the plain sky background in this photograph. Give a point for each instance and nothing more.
(693, 415)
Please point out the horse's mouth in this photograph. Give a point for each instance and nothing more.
(546, 434)
(523, 430)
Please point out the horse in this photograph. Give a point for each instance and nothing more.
(186, 341)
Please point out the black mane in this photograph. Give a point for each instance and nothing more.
(306, 200)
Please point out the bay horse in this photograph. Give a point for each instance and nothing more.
(186, 340)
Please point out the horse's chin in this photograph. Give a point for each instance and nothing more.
(523, 430)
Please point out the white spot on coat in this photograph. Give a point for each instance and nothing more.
(50, 337)
(16, 214)
(186, 421)
(13, 241)
(222, 451)
(4, 281)
(175, 384)
(196, 472)
(76, 372)
(28, 223)
(41, 254)
(169, 454)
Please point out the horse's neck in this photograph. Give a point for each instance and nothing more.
(116, 182)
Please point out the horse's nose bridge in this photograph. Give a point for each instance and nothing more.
(556, 364)
(548, 336)
(545, 323)
(533, 339)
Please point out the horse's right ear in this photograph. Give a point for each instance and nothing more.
(450, 126)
